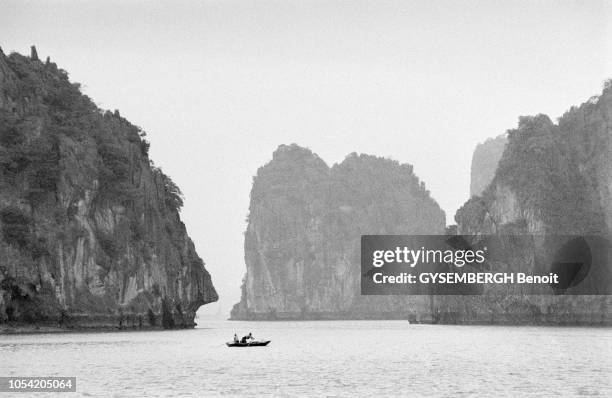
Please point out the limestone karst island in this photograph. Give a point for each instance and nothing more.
(90, 230)
(542, 178)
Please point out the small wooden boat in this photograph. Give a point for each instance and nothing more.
(248, 343)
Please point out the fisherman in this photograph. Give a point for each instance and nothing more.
(246, 338)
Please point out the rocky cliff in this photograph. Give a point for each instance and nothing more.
(553, 179)
(302, 244)
(484, 163)
(90, 230)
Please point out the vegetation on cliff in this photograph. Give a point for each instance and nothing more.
(90, 228)
(553, 179)
(303, 237)
(557, 171)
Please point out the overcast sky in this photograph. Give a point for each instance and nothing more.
(218, 85)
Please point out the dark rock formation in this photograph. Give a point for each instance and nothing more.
(33, 53)
(552, 179)
(302, 244)
(484, 163)
(90, 230)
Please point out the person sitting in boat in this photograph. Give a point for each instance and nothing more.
(246, 338)
(235, 338)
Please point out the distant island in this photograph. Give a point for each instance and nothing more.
(302, 244)
(90, 232)
(542, 178)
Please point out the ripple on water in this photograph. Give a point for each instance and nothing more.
(343, 358)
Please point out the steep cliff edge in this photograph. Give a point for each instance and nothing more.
(553, 179)
(484, 163)
(90, 230)
(302, 244)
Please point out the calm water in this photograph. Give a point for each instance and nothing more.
(341, 358)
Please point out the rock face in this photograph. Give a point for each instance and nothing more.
(552, 179)
(484, 163)
(90, 230)
(302, 244)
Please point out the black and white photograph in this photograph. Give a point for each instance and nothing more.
(306, 198)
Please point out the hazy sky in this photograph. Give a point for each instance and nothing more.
(218, 85)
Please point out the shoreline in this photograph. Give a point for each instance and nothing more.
(25, 329)
(507, 320)
(45, 329)
(518, 325)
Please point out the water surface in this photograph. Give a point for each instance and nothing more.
(323, 358)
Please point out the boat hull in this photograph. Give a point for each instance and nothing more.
(250, 344)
